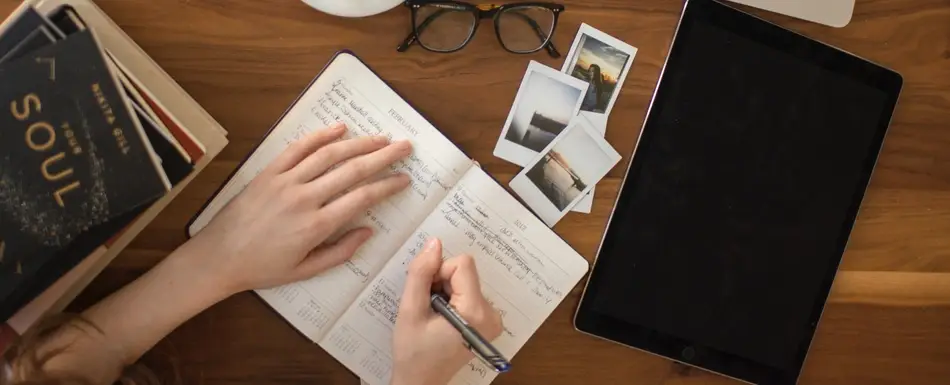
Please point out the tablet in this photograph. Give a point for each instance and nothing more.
(739, 200)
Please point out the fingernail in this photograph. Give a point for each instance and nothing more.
(403, 145)
(380, 140)
(431, 244)
(337, 127)
(367, 233)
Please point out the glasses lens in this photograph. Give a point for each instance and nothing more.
(525, 29)
(444, 26)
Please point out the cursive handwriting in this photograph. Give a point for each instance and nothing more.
(380, 225)
(415, 248)
(358, 271)
(382, 301)
(500, 244)
(342, 104)
(477, 367)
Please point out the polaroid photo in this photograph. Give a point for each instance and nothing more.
(601, 61)
(586, 204)
(544, 105)
(565, 171)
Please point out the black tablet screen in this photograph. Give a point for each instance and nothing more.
(747, 177)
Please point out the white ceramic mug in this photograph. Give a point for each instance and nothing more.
(353, 8)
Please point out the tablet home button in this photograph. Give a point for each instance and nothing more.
(688, 353)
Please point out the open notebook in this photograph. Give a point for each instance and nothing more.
(526, 269)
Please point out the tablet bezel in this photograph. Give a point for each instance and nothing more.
(588, 321)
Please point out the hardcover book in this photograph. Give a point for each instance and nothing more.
(72, 158)
(26, 24)
(175, 161)
(191, 130)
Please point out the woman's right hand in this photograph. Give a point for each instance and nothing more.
(427, 350)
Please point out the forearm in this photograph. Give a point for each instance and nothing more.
(134, 319)
(276, 231)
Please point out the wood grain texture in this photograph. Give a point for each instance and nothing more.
(888, 317)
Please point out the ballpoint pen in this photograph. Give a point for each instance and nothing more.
(479, 346)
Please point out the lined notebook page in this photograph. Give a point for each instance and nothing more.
(348, 91)
(525, 272)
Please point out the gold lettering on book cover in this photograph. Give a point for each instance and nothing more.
(41, 137)
(45, 168)
(31, 99)
(31, 136)
(52, 66)
(117, 132)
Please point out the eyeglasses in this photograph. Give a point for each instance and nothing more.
(448, 26)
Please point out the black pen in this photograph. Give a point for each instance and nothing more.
(479, 346)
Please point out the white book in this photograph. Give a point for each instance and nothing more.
(526, 270)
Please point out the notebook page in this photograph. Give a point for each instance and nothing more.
(525, 272)
(348, 91)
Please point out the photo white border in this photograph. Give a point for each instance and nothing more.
(536, 200)
(585, 205)
(514, 152)
(570, 60)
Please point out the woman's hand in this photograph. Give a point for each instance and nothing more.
(275, 232)
(278, 229)
(426, 348)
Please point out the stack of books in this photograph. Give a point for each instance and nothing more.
(96, 140)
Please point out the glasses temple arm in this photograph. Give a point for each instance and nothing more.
(416, 31)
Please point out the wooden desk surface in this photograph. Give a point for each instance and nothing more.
(888, 317)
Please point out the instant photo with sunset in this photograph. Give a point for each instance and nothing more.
(603, 62)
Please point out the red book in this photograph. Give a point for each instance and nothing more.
(7, 337)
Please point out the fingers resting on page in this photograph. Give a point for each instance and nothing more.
(426, 348)
(279, 229)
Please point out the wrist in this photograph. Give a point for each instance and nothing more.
(136, 317)
(195, 260)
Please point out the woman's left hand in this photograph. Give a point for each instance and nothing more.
(277, 230)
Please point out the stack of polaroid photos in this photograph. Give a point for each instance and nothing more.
(557, 123)
(85, 149)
